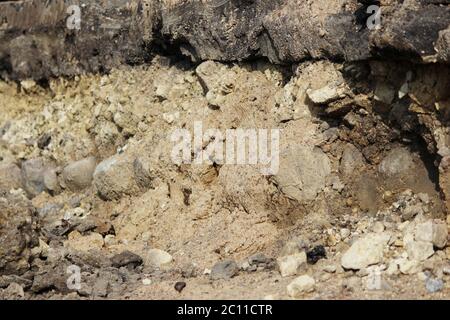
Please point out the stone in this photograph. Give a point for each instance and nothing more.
(378, 227)
(76, 241)
(384, 93)
(301, 285)
(291, 265)
(397, 161)
(146, 281)
(303, 171)
(13, 292)
(326, 94)
(158, 258)
(407, 266)
(433, 231)
(259, 259)
(114, 178)
(51, 182)
(411, 210)
(10, 176)
(179, 286)
(126, 258)
(365, 251)
(33, 176)
(224, 270)
(315, 254)
(78, 175)
(344, 233)
(419, 250)
(351, 160)
(329, 268)
(434, 285)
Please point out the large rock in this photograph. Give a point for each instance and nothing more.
(18, 234)
(158, 258)
(292, 264)
(365, 251)
(78, 175)
(10, 176)
(224, 270)
(303, 172)
(114, 177)
(433, 231)
(301, 285)
(397, 161)
(352, 160)
(35, 174)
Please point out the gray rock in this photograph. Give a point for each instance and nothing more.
(33, 176)
(126, 258)
(434, 285)
(352, 160)
(259, 259)
(10, 176)
(397, 161)
(224, 270)
(78, 175)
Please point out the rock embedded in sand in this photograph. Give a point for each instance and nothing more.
(114, 177)
(292, 264)
(79, 174)
(158, 258)
(397, 161)
(10, 176)
(433, 231)
(365, 251)
(224, 270)
(33, 173)
(301, 285)
(126, 258)
(303, 171)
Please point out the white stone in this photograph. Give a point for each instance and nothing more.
(409, 266)
(325, 94)
(158, 258)
(301, 285)
(290, 265)
(435, 232)
(365, 251)
(419, 250)
(146, 282)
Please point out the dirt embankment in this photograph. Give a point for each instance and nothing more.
(356, 208)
